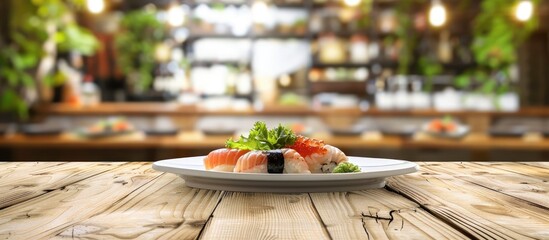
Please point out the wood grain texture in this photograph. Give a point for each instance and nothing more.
(265, 216)
(378, 214)
(27, 182)
(8, 169)
(481, 212)
(481, 200)
(542, 165)
(50, 214)
(522, 187)
(534, 169)
(161, 209)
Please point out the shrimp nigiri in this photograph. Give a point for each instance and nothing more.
(273, 161)
(320, 157)
(223, 159)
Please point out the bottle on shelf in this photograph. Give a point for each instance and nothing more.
(444, 48)
(358, 49)
(90, 93)
(401, 96)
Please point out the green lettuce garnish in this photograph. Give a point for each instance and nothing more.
(346, 167)
(261, 138)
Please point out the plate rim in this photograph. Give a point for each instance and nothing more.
(399, 168)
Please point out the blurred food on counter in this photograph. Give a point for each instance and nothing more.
(106, 128)
(445, 127)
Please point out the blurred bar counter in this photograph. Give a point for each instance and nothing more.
(192, 138)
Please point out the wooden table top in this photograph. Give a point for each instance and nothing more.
(120, 200)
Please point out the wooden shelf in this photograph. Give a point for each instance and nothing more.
(349, 87)
(287, 36)
(385, 63)
(208, 63)
(302, 5)
(194, 36)
(176, 109)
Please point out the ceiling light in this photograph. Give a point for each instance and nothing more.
(524, 11)
(95, 6)
(176, 16)
(437, 14)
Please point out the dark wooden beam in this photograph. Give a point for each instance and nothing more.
(4, 20)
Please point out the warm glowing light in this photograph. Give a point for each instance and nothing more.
(351, 3)
(524, 11)
(260, 12)
(176, 16)
(162, 52)
(285, 81)
(95, 6)
(437, 14)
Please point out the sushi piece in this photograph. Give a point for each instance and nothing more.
(223, 159)
(320, 157)
(327, 161)
(284, 160)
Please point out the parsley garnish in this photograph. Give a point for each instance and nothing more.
(260, 138)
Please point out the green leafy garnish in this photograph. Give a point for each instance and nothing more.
(260, 138)
(346, 167)
(447, 119)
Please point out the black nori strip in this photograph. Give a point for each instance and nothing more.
(275, 161)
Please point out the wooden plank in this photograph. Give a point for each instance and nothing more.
(25, 183)
(161, 209)
(525, 169)
(21, 171)
(544, 165)
(50, 214)
(378, 214)
(481, 212)
(9, 168)
(516, 185)
(265, 216)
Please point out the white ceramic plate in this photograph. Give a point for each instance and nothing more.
(374, 172)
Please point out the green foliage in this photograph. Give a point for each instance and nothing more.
(136, 43)
(28, 22)
(429, 68)
(10, 101)
(365, 9)
(496, 38)
(260, 138)
(404, 32)
(75, 38)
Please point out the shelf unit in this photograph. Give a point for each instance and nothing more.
(311, 7)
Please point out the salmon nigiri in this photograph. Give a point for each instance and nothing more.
(284, 160)
(223, 159)
(320, 157)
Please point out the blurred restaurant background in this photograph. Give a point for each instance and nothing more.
(144, 80)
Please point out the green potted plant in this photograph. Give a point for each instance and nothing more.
(140, 33)
(406, 42)
(497, 36)
(37, 32)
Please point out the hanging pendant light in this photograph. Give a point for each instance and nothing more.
(351, 3)
(176, 16)
(524, 10)
(437, 14)
(95, 6)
